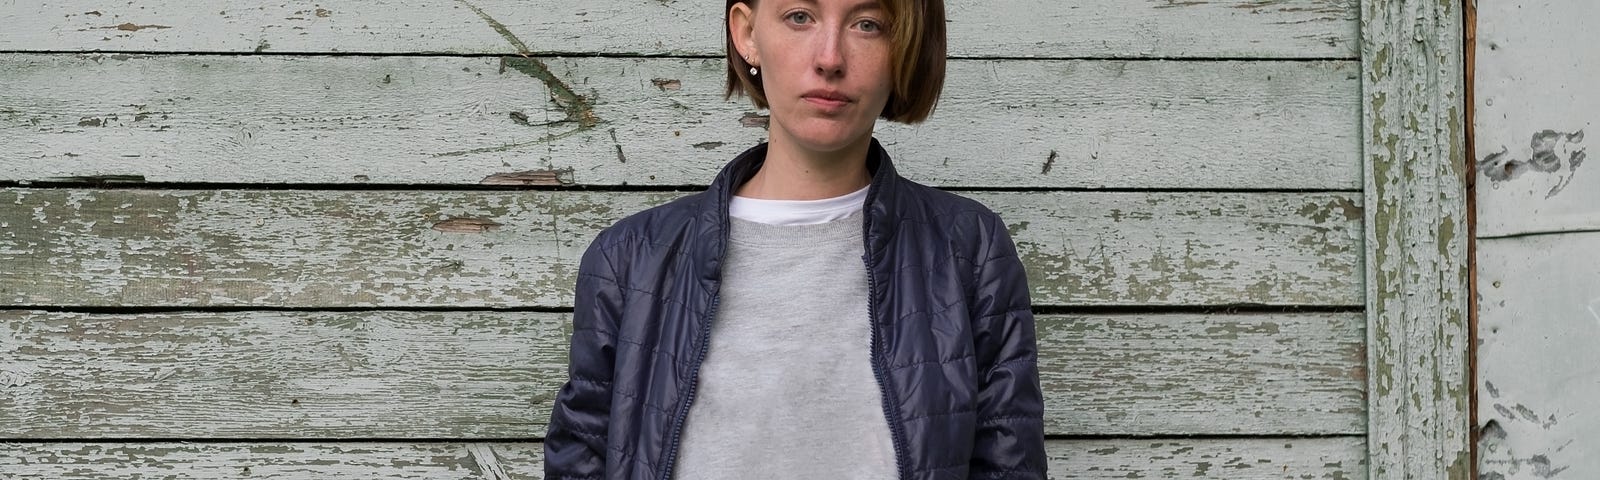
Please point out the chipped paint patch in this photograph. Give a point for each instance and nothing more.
(1550, 152)
(97, 179)
(130, 27)
(665, 84)
(553, 177)
(754, 120)
(466, 225)
(16, 375)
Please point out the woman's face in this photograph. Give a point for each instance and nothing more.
(824, 67)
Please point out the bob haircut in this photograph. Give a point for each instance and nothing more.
(916, 57)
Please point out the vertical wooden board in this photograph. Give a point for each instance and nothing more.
(977, 28)
(1534, 109)
(1418, 335)
(1334, 458)
(651, 121)
(1538, 368)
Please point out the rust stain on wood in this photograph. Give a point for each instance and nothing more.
(553, 177)
(466, 225)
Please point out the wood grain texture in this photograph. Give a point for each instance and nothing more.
(389, 374)
(1233, 459)
(1008, 28)
(1416, 239)
(315, 249)
(652, 121)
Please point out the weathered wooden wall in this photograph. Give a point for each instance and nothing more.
(1538, 240)
(329, 240)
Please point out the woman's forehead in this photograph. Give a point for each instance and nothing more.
(845, 5)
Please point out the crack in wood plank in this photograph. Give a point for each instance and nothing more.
(578, 108)
(488, 464)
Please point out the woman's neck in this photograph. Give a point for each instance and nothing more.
(794, 173)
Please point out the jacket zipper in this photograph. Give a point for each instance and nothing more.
(891, 413)
(688, 398)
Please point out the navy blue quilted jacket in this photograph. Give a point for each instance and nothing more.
(953, 334)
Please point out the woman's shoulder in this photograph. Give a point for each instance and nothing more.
(646, 227)
(944, 209)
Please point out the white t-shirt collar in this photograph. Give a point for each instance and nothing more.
(797, 212)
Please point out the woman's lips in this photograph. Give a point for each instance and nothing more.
(826, 100)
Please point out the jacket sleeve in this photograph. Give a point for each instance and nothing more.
(1010, 429)
(575, 446)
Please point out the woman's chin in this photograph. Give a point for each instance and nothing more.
(825, 135)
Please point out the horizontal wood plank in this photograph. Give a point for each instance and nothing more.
(1008, 28)
(1233, 459)
(653, 121)
(316, 249)
(390, 374)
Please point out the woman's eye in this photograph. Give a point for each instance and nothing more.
(799, 17)
(869, 26)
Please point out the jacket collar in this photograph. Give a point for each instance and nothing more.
(879, 211)
(744, 167)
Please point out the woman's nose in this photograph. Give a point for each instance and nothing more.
(829, 56)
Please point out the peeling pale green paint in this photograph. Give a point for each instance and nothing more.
(1416, 276)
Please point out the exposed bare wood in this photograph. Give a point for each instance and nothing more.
(387, 249)
(1415, 239)
(1232, 459)
(388, 374)
(1008, 28)
(612, 121)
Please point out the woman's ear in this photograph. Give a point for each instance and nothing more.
(741, 23)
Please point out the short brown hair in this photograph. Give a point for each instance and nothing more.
(916, 60)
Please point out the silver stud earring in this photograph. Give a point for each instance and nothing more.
(753, 71)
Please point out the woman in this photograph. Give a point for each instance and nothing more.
(811, 314)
